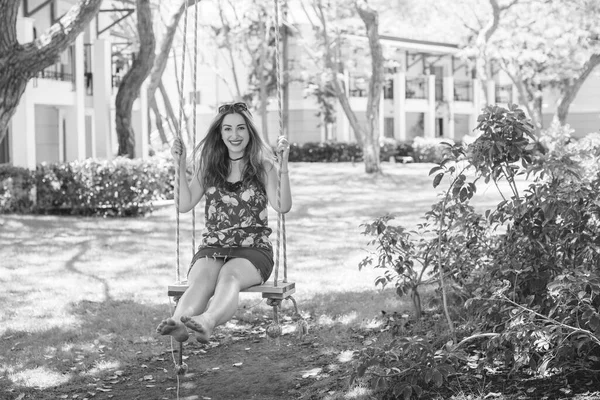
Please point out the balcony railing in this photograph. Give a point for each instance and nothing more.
(416, 87)
(53, 74)
(504, 93)
(463, 90)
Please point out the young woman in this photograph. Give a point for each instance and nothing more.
(238, 175)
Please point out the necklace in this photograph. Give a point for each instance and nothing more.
(236, 159)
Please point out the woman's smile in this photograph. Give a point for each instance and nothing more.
(234, 133)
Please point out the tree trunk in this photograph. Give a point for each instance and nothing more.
(19, 63)
(340, 92)
(158, 119)
(569, 91)
(133, 80)
(171, 117)
(371, 144)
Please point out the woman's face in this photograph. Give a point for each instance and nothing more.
(234, 133)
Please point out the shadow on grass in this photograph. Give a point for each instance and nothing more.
(102, 337)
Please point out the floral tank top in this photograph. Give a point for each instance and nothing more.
(236, 216)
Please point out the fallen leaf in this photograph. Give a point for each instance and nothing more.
(311, 372)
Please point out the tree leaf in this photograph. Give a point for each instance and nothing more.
(437, 179)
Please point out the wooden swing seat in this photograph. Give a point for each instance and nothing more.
(268, 289)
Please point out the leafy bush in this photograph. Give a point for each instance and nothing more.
(392, 148)
(533, 287)
(325, 152)
(15, 189)
(429, 150)
(345, 152)
(116, 187)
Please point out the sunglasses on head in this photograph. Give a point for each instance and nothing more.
(225, 108)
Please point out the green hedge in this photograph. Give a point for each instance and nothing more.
(345, 152)
(15, 189)
(119, 187)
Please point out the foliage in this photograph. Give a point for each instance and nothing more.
(109, 188)
(392, 148)
(325, 152)
(15, 189)
(406, 367)
(344, 152)
(556, 52)
(428, 150)
(452, 234)
(530, 271)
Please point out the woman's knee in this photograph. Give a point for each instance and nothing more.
(240, 272)
(205, 269)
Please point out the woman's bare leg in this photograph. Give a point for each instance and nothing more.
(235, 275)
(202, 280)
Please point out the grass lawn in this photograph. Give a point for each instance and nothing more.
(81, 297)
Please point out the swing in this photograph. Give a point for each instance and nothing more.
(278, 290)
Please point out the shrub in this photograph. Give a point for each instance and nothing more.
(429, 150)
(120, 187)
(325, 152)
(345, 152)
(15, 189)
(533, 286)
(392, 148)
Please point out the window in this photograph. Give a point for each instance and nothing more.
(388, 127)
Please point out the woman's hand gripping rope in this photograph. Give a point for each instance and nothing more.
(178, 150)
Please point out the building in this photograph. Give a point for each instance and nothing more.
(67, 111)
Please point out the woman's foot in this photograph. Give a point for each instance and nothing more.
(174, 328)
(202, 325)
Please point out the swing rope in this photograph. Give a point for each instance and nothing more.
(180, 366)
(177, 164)
(281, 239)
(194, 116)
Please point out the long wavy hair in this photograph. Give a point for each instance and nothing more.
(212, 156)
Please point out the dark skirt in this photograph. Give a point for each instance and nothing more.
(262, 259)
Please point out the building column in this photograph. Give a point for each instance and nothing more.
(22, 141)
(449, 98)
(75, 114)
(139, 123)
(477, 105)
(490, 92)
(429, 123)
(102, 81)
(400, 106)
(23, 132)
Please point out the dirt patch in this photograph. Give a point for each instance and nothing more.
(242, 363)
